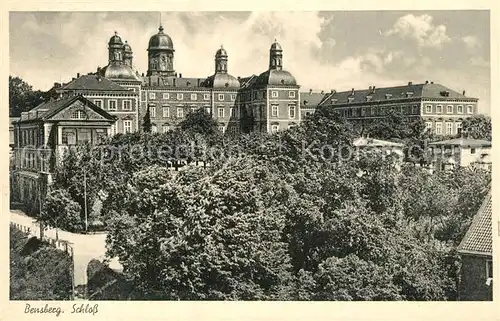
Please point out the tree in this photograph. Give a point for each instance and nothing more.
(60, 211)
(477, 127)
(22, 97)
(146, 125)
(217, 238)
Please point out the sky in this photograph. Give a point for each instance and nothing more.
(324, 50)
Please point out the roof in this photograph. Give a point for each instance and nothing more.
(276, 77)
(479, 239)
(221, 80)
(464, 142)
(429, 90)
(247, 81)
(51, 107)
(311, 99)
(370, 142)
(93, 82)
(162, 81)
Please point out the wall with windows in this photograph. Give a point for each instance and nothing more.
(475, 271)
(283, 108)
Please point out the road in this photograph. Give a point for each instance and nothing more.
(85, 246)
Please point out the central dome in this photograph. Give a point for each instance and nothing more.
(160, 41)
(276, 77)
(119, 72)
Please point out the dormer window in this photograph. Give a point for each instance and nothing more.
(409, 94)
(334, 100)
(388, 96)
(369, 98)
(350, 99)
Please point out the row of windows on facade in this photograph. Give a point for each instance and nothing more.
(221, 112)
(450, 129)
(384, 110)
(221, 97)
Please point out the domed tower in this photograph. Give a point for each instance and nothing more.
(221, 60)
(127, 54)
(115, 49)
(276, 56)
(161, 55)
(221, 79)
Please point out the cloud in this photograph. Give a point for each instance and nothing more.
(472, 42)
(421, 29)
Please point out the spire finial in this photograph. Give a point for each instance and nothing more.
(116, 33)
(161, 27)
(221, 47)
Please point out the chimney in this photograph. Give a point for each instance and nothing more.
(333, 91)
(463, 93)
(352, 91)
(239, 78)
(180, 75)
(322, 92)
(158, 81)
(310, 91)
(98, 69)
(188, 83)
(149, 81)
(72, 78)
(426, 82)
(410, 83)
(142, 74)
(77, 75)
(370, 88)
(373, 89)
(174, 81)
(432, 82)
(199, 82)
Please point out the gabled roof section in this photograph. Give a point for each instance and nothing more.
(246, 82)
(48, 109)
(479, 239)
(311, 99)
(426, 90)
(94, 83)
(463, 142)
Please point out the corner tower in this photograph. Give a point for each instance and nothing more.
(161, 55)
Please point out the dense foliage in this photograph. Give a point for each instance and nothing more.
(22, 97)
(37, 270)
(292, 216)
(477, 127)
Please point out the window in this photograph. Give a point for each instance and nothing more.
(154, 128)
(231, 112)
(415, 110)
(152, 95)
(274, 110)
(449, 109)
(180, 112)
(254, 95)
(127, 126)
(428, 109)
(194, 97)
(363, 111)
(152, 112)
(439, 109)
(220, 112)
(77, 114)
(291, 94)
(469, 109)
(208, 110)
(83, 136)
(112, 105)
(127, 105)
(113, 130)
(274, 94)
(350, 99)
(166, 96)
(439, 128)
(221, 97)
(166, 128)
(275, 128)
(460, 109)
(291, 111)
(166, 112)
(428, 125)
(98, 103)
(233, 96)
(206, 96)
(449, 128)
(459, 128)
(472, 150)
(221, 128)
(68, 136)
(180, 96)
(489, 269)
(193, 109)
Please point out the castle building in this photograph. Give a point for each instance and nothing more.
(442, 109)
(268, 102)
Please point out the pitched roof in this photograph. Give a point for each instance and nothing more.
(51, 107)
(370, 142)
(429, 90)
(479, 239)
(93, 82)
(464, 142)
(247, 81)
(310, 99)
(158, 81)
